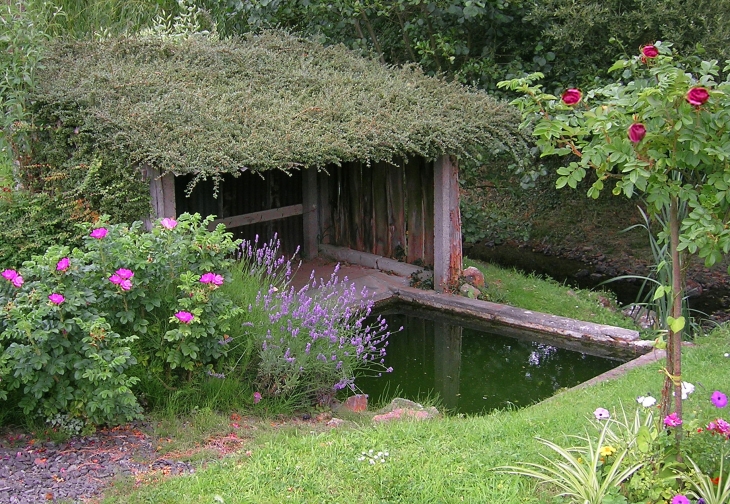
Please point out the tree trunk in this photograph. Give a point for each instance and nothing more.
(673, 379)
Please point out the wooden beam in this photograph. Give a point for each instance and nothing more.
(255, 217)
(447, 225)
(310, 246)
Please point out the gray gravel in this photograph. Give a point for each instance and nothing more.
(78, 469)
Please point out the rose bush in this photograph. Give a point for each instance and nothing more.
(75, 323)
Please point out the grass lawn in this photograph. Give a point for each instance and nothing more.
(441, 461)
(532, 292)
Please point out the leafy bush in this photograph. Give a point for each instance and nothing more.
(74, 322)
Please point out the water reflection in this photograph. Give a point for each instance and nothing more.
(474, 371)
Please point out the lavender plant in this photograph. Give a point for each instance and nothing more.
(313, 341)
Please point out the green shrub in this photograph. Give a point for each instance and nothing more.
(75, 321)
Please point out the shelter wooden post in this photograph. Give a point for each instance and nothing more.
(310, 247)
(447, 225)
(162, 193)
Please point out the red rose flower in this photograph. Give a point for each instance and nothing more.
(637, 131)
(697, 96)
(649, 51)
(571, 96)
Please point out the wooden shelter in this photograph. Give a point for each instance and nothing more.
(275, 133)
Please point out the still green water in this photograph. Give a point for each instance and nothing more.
(473, 371)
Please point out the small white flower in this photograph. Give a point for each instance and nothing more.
(647, 401)
(602, 414)
(687, 389)
(372, 462)
(727, 354)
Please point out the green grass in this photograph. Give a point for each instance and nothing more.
(535, 293)
(6, 171)
(442, 461)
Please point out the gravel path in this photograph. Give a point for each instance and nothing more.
(78, 469)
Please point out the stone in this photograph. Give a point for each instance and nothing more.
(469, 291)
(646, 319)
(474, 277)
(357, 403)
(335, 422)
(400, 408)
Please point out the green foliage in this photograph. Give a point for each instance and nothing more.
(30, 223)
(591, 473)
(200, 105)
(78, 320)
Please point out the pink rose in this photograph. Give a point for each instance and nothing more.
(571, 96)
(672, 420)
(256, 397)
(697, 96)
(126, 285)
(9, 274)
(62, 265)
(650, 51)
(99, 233)
(637, 131)
(116, 279)
(124, 274)
(207, 278)
(18, 281)
(168, 223)
(184, 317)
(56, 299)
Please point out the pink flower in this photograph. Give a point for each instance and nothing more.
(56, 299)
(99, 233)
(184, 317)
(124, 274)
(126, 285)
(18, 281)
(680, 499)
(697, 96)
(9, 274)
(168, 223)
(672, 420)
(208, 278)
(63, 264)
(256, 397)
(637, 131)
(571, 96)
(650, 51)
(601, 414)
(718, 399)
(116, 279)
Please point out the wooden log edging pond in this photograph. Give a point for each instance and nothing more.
(587, 337)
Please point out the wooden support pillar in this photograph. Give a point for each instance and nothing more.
(162, 194)
(447, 225)
(310, 246)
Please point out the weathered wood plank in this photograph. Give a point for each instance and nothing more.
(414, 210)
(427, 184)
(327, 194)
(256, 217)
(343, 208)
(380, 209)
(396, 213)
(447, 225)
(310, 220)
(354, 180)
(366, 194)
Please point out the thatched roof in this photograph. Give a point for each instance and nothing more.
(208, 106)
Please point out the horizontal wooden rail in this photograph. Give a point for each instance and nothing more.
(255, 217)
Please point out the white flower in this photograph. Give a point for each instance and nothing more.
(647, 401)
(687, 389)
(601, 414)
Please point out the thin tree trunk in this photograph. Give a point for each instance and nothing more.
(674, 347)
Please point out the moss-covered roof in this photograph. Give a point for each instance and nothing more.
(204, 105)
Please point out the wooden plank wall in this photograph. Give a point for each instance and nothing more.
(382, 209)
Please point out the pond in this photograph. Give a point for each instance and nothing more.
(475, 370)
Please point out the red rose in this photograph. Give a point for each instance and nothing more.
(697, 96)
(637, 131)
(650, 51)
(571, 96)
